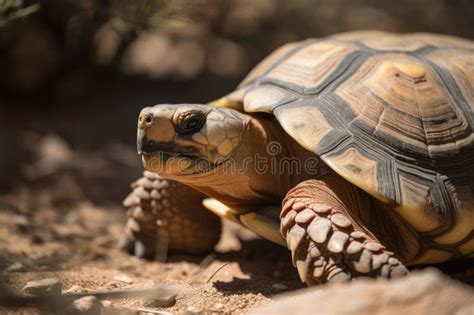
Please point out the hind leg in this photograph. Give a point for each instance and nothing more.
(167, 216)
(329, 243)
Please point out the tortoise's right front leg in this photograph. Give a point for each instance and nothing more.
(328, 242)
(167, 216)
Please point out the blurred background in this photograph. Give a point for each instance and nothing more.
(75, 73)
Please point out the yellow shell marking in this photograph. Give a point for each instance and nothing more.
(305, 124)
(221, 210)
(467, 248)
(263, 227)
(462, 227)
(257, 223)
(357, 169)
(264, 98)
(432, 256)
(414, 196)
(410, 69)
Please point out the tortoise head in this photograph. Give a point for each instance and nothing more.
(188, 138)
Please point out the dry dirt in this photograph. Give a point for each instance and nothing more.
(79, 247)
(53, 226)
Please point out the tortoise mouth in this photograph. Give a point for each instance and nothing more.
(167, 149)
(175, 162)
(171, 158)
(164, 156)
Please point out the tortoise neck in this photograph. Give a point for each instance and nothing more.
(279, 161)
(267, 164)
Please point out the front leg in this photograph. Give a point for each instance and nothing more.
(328, 241)
(167, 216)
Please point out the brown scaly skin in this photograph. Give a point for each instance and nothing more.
(308, 197)
(328, 240)
(167, 216)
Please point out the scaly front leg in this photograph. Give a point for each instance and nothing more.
(327, 240)
(167, 216)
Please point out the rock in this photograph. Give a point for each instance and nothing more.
(123, 278)
(87, 305)
(165, 301)
(422, 292)
(49, 286)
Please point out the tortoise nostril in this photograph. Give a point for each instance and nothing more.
(146, 119)
(149, 118)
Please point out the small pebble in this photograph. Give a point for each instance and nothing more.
(14, 267)
(192, 309)
(75, 289)
(22, 222)
(123, 278)
(280, 286)
(44, 287)
(165, 301)
(111, 285)
(218, 306)
(277, 274)
(89, 305)
(150, 311)
(106, 303)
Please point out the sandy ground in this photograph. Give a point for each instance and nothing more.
(78, 244)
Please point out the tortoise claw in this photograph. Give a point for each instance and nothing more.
(340, 277)
(303, 266)
(398, 271)
(140, 249)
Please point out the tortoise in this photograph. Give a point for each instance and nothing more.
(356, 151)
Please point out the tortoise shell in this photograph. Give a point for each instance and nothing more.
(392, 114)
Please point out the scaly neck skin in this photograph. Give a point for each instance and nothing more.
(256, 175)
(282, 159)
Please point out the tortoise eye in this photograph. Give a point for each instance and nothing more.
(191, 123)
